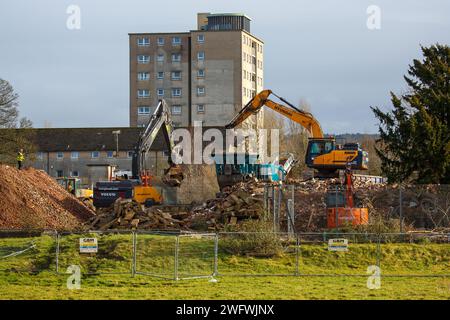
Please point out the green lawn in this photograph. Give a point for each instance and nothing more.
(30, 275)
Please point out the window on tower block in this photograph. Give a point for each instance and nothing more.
(176, 40)
(200, 91)
(143, 59)
(176, 92)
(201, 108)
(143, 110)
(143, 93)
(176, 75)
(176, 57)
(176, 109)
(143, 76)
(143, 42)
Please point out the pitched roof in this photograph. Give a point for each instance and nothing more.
(95, 139)
(86, 139)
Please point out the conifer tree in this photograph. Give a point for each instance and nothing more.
(414, 142)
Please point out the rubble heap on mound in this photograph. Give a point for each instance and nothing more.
(31, 199)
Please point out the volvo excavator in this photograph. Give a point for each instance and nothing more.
(323, 154)
(160, 121)
(141, 185)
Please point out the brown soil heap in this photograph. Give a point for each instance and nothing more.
(30, 199)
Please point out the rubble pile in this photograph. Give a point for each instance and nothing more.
(128, 214)
(241, 202)
(31, 199)
(245, 201)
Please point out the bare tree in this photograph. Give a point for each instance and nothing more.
(9, 112)
(15, 133)
(368, 143)
(8, 105)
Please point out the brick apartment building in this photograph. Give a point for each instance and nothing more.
(206, 75)
(86, 153)
(81, 152)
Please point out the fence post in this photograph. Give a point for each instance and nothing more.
(133, 268)
(400, 197)
(297, 255)
(265, 199)
(293, 198)
(379, 250)
(290, 214)
(177, 243)
(57, 252)
(216, 255)
(279, 198)
(274, 207)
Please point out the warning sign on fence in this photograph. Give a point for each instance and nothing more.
(88, 245)
(338, 244)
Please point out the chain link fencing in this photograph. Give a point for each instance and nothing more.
(114, 254)
(27, 251)
(179, 256)
(303, 208)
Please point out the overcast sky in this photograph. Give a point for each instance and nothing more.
(318, 51)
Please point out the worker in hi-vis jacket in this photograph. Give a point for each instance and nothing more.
(20, 158)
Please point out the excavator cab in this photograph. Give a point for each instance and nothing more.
(318, 147)
(73, 186)
(327, 157)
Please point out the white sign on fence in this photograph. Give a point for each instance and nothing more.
(88, 245)
(338, 244)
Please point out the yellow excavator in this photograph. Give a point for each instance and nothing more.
(323, 154)
(73, 186)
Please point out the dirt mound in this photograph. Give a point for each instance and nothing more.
(30, 199)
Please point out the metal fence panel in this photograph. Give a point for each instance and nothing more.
(155, 254)
(186, 256)
(257, 254)
(317, 258)
(196, 256)
(419, 254)
(426, 207)
(27, 251)
(114, 256)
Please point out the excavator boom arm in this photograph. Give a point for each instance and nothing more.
(304, 118)
(159, 121)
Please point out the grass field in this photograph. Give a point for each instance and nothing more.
(31, 274)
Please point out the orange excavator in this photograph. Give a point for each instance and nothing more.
(343, 207)
(323, 154)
